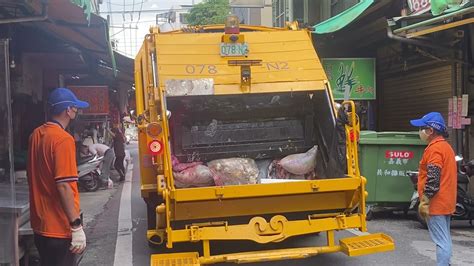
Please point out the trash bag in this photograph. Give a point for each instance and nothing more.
(234, 171)
(263, 167)
(300, 163)
(195, 176)
(276, 171)
(178, 166)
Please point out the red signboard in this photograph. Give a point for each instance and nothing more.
(96, 96)
(399, 154)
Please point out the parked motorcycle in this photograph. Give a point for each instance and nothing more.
(464, 202)
(89, 173)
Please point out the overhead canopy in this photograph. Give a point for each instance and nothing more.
(344, 18)
(68, 22)
(456, 16)
(124, 72)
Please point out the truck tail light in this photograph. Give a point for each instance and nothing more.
(155, 147)
(154, 129)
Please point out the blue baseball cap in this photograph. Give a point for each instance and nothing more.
(434, 120)
(62, 98)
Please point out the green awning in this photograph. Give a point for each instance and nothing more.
(86, 5)
(343, 19)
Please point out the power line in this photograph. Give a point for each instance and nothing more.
(122, 27)
(140, 12)
(120, 31)
(135, 22)
(144, 11)
(133, 9)
(128, 4)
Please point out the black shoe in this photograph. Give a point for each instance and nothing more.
(122, 178)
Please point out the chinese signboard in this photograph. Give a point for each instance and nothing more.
(96, 96)
(457, 112)
(419, 6)
(351, 78)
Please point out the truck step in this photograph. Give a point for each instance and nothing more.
(367, 244)
(175, 259)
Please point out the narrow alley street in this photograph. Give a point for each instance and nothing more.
(271, 132)
(110, 246)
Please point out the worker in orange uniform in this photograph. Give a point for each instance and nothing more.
(437, 183)
(52, 177)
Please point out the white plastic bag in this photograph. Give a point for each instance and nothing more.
(195, 176)
(300, 163)
(110, 183)
(234, 171)
(276, 171)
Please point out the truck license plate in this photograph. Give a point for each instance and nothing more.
(234, 49)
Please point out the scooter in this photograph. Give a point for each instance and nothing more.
(89, 173)
(464, 202)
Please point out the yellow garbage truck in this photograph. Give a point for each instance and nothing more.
(233, 91)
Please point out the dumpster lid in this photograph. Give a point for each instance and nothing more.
(390, 137)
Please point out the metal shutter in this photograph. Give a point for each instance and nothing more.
(409, 95)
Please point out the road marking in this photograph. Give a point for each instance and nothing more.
(123, 246)
(357, 232)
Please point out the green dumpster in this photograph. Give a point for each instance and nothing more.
(385, 157)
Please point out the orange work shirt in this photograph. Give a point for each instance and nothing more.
(440, 154)
(51, 160)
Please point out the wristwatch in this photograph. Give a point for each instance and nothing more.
(76, 222)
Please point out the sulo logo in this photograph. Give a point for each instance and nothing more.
(399, 154)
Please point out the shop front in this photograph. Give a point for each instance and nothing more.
(69, 50)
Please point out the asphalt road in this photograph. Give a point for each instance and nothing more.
(413, 244)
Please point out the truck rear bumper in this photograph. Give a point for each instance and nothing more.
(353, 246)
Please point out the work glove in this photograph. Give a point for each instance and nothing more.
(78, 243)
(424, 208)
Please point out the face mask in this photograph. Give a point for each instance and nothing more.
(423, 135)
(74, 118)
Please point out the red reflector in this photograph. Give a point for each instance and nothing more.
(155, 147)
(353, 136)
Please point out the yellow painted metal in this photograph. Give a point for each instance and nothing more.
(206, 248)
(192, 29)
(354, 246)
(269, 255)
(330, 238)
(270, 87)
(440, 28)
(287, 57)
(148, 171)
(353, 133)
(262, 190)
(146, 189)
(368, 244)
(259, 230)
(227, 38)
(152, 85)
(176, 259)
(262, 205)
(289, 64)
(140, 108)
